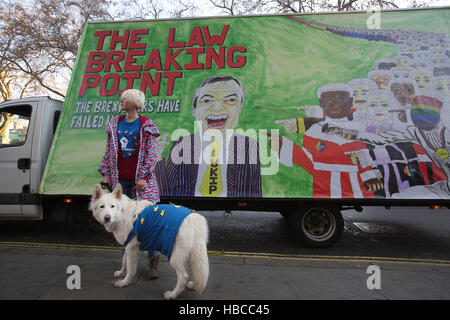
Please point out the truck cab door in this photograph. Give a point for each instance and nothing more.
(15, 157)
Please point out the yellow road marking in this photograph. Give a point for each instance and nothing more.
(255, 255)
(415, 261)
(59, 246)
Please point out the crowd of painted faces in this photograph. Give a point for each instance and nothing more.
(394, 129)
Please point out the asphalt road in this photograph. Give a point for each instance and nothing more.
(376, 232)
(252, 256)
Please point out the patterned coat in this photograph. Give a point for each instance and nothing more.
(146, 159)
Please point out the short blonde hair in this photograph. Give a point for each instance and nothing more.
(135, 96)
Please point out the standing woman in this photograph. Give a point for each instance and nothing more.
(130, 155)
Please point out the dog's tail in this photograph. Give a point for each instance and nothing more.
(198, 259)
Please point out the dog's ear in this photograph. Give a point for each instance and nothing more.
(117, 193)
(98, 192)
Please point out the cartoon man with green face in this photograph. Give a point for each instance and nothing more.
(217, 103)
(215, 161)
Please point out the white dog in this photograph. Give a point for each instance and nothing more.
(123, 217)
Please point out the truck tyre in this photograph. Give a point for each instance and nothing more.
(317, 226)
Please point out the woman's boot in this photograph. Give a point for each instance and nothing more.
(153, 267)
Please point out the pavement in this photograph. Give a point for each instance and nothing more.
(39, 271)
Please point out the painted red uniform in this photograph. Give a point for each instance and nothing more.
(326, 158)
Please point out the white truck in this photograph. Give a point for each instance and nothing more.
(379, 138)
(27, 130)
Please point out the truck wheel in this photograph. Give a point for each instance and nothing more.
(317, 226)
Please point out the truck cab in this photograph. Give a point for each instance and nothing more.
(27, 128)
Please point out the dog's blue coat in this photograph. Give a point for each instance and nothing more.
(157, 227)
